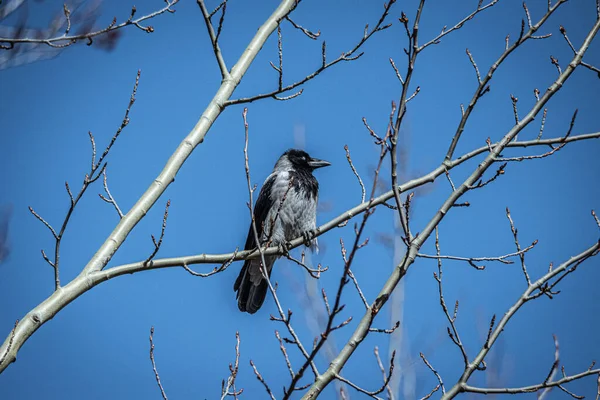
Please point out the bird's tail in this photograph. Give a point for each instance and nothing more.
(251, 286)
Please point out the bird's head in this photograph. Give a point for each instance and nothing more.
(299, 159)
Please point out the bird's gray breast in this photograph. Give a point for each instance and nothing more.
(292, 211)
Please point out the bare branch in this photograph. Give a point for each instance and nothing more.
(308, 33)
(360, 182)
(215, 36)
(528, 295)
(382, 369)
(459, 25)
(162, 234)
(596, 218)
(346, 56)
(162, 391)
(484, 85)
(521, 254)
(437, 375)
(474, 66)
(110, 198)
(216, 270)
(66, 40)
(261, 379)
(453, 334)
(372, 394)
(228, 389)
(10, 342)
(472, 260)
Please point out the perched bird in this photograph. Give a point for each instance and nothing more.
(286, 208)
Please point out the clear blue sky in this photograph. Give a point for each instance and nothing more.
(97, 347)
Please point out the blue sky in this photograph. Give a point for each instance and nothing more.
(97, 347)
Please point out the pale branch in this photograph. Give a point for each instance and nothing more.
(66, 40)
(228, 389)
(345, 56)
(110, 199)
(343, 218)
(363, 326)
(504, 259)
(484, 85)
(10, 342)
(360, 182)
(528, 295)
(93, 274)
(214, 37)
(156, 376)
(158, 243)
(532, 388)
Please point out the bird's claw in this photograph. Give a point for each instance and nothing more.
(308, 236)
(285, 248)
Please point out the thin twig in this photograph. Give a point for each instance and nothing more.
(360, 182)
(261, 380)
(160, 386)
(158, 243)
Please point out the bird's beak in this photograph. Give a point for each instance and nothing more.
(315, 163)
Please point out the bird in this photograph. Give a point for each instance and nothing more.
(286, 208)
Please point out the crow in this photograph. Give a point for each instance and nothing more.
(286, 208)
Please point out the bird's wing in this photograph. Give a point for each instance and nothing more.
(261, 210)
